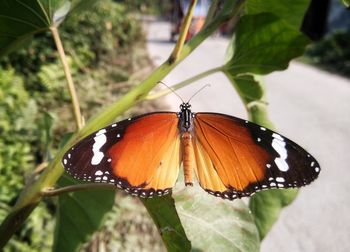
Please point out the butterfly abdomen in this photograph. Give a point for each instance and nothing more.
(188, 157)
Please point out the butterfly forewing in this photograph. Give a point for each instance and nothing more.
(247, 157)
(233, 157)
(140, 155)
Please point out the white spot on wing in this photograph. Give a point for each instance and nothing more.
(281, 164)
(280, 179)
(317, 169)
(100, 140)
(280, 146)
(100, 132)
(262, 128)
(69, 155)
(65, 161)
(114, 124)
(277, 136)
(98, 173)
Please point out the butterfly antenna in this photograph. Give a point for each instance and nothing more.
(172, 90)
(205, 86)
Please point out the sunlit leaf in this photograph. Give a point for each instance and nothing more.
(264, 43)
(213, 224)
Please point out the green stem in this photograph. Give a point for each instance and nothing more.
(183, 83)
(74, 188)
(70, 83)
(211, 12)
(183, 32)
(31, 194)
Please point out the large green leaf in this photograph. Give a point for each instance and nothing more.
(20, 19)
(267, 205)
(292, 11)
(264, 43)
(79, 215)
(213, 224)
(164, 215)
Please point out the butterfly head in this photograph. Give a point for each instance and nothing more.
(185, 106)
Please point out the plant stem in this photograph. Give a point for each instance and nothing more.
(183, 33)
(211, 12)
(78, 187)
(67, 72)
(183, 83)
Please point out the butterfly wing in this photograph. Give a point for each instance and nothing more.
(140, 155)
(236, 158)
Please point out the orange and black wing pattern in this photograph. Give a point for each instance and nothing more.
(140, 155)
(236, 158)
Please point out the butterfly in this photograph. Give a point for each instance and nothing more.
(229, 157)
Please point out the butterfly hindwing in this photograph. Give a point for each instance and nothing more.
(247, 157)
(140, 155)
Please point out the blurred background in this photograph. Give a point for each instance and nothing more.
(113, 48)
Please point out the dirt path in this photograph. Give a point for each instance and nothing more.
(307, 105)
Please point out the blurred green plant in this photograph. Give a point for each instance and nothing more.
(19, 136)
(331, 53)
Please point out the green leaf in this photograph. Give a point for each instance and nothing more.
(213, 224)
(346, 3)
(267, 205)
(292, 11)
(20, 19)
(164, 215)
(248, 88)
(79, 215)
(264, 43)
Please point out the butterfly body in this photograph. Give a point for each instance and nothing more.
(230, 157)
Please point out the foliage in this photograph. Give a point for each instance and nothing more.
(332, 53)
(18, 136)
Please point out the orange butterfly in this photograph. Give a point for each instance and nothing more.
(230, 157)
